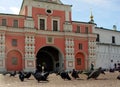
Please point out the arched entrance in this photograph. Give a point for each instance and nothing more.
(14, 61)
(50, 56)
(80, 61)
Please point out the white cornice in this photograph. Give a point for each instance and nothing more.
(42, 32)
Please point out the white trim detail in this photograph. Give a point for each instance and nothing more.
(42, 17)
(2, 50)
(69, 49)
(58, 20)
(29, 50)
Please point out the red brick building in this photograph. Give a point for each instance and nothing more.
(44, 32)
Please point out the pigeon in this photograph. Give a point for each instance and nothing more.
(41, 76)
(27, 75)
(5, 73)
(95, 73)
(112, 70)
(88, 72)
(13, 73)
(21, 76)
(64, 75)
(75, 74)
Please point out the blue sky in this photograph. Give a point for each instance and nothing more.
(106, 12)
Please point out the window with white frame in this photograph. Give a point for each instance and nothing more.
(4, 22)
(15, 23)
(42, 23)
(78, 29)
(55, 24)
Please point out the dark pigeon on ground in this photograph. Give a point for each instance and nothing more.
(21, 76)
(75, 74)
(27, 75)
(13, 73)
(64, 75)
(5, 73)
(41, 76)
(87, 72)
(95, 73)
(112, 70)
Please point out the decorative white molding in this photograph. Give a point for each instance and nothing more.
(58, 20)
(29, 46)
(53, 6)
(29, 23)
(42, 17)
(68, 27)
(2, 50)
(69, 49)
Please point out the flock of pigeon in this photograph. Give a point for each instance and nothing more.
(43, 75)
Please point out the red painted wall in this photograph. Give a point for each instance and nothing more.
(19, 51)
(10, 20)
(41, 42)
(36, 12)
(18, 66)
(82, 27)
(82, 65)
(20, 42)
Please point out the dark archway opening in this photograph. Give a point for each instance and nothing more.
(49, 56)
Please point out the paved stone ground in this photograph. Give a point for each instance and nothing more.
(108, 80)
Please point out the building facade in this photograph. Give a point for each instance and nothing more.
(44, 32)
(107, 47)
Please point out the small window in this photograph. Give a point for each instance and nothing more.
(86, 30)
(80, 46)
(15, 23)
(78, 61)
(14, 42)
(78, 29)
(49, 11)
(14, 61)
(55, 25)
(111, 61)
(98, 38)
(4, 23)
(113, 39)
(42, 24)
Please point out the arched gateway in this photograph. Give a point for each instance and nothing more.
(51, 56)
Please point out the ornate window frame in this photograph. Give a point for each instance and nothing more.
(42, 17)
(58, 20)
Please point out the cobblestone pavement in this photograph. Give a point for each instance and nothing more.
(108, 80)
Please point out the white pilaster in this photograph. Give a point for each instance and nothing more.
(29, 52)
(92, 52)
(2, 51)
(69, 49)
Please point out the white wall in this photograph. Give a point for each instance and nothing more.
(106, 35)
(105, 50)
